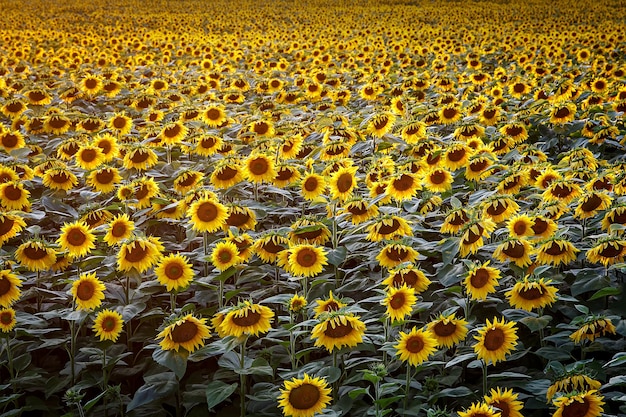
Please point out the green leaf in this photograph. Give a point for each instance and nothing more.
(217, 392)
(89, 404)
(358, 391)
(460, 358)
(449, 249)
(456, 392)
(337, 256)
(536, 323)
(589, 279)
(156, 388)
(330, 373)
(172, 360)
(618, 359)
(605, 292)
(554, 354)
(616, 380)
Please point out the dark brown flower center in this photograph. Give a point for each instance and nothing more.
(258, 166)
(496, 208)
(76, 237)
(473, 237)
(415, 344)
(9, 140)
(438, 177)
(533, 293)
(108, 324)
(397, 301)
(174, 270)
(456, 155)
(6, 225)
(450, 113)
(88, 155)
(555, 249)
(562, 190)
(576, 409)
(311, 184)
(118, 229)
(237, 219)
(442, 329)
(503, 406)
(397, 254)
(610, 251)
(172, 131)
(105, 176)
(5, 286)
(250, 319)
(35, 253)
(120, 123)
(592, 203)
(514, 130)
(225, 256)
(540, 226)
(284, 174)
(85, 290)
(139, 156)
(385, 229)
(136, 254)
(515, 250)
(213, 114)
(339, 331)
(226, 173)
(494, 339)
(520, 227)
(207, 211)
(562, 112)
(478, 166)
(304, 397)
(480, 278)
(306, 257)
(184, 332)
(261, 128)
(6, 318)
(13, 193)
(345, 182)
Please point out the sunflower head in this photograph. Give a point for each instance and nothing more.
(304, 397)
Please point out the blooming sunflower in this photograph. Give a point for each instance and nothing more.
(358, 210)
(342, 183)
(479, 410)
(297, 304)
(520, 226)
(408, 275)
(309, 231)
(395, 253)
(188, 332)
(495, 340)
(11, 140)
(269, 246)
(173, 133)
(243, 218)
(10, 225)
(456, 156)
(306, 260)
(120, 124)
(555, 252)
(403, 186)
(77, 239)
(304, 397)
(14, 196)
(381, 124)
(224, 255)
(247, 318)
(454, 220)
(563, 113)
(415, 346)
(591, 203)
(119, 229)
(88, 291)
(543, 227)
(572, 382)
(413, 132)
(244, 244)
(388, 227)
(616, 215)
(108, 325)
(328, 305)
(607, 251)
(592, 328)
(448, 330)
(499, 207)
(214, 115)
(104, 179)
(505, 401)
(139, 157)
(226, 174)
(9, 288)
(139, 253)
(207, 214)
(515, 250)
(481, 280)
(258, 168)
(7, 320)
(56, 124)
(336, 330)
(437, 180)
(59, 178)
(174, 271)
(472, 234)
(207, 145)
(562, 190)
(312, 186)
(579, 404)
(529, 294)
(399, 302)
(35, 255)
(285, 175)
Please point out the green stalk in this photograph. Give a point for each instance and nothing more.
(242, 380)
(407, 386)
(292, 343)
(105, 380)
(173, 301)
(484, 377)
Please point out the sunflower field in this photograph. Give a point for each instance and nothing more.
(338, 208)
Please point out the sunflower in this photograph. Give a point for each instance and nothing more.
(313, 185)
(520, 226)
(416, 346)
(304, 397)
(579, 404)
(207, 215)
(399, 302)
(328, 305)
(505, 401)
(119, 229)
(563, 113)
(174, 271)
(77, 239)
(449, 114)
(413, 132)
(262, 129)
(479, 410)
(358, 210)
(35, 255)
(477, 166)
(13, 196)
(10, 225)
(187, 180)
(555, 252)
(88, 157)
(394, 254)
(543, 227)
(616, 215)
(515, 250)
(13, 108)
(448, 330)
(513, 182)
(207, 145)
(437, 180)
(607, 251)
(227, 174)
(258, 168)
(499, 207)
(269, 246)
(529, 294)
(59, 179)
(224, 255)
(408, 275)
(456, 156)
(381, 124)
(572, 382)
(591, 203)
(495, 340)
(309, 231)
(139, 253)
(8, 174)
(388, 227)
(187, 332)
(120, 124)
(87, 291)
(562, 190)
(481, 280)
(297, 304)
(592, 328)
(305, 260)
(108, 325)
(342, 183)
(403, 186)
(56, 124)
(247, 318)
(244, 244)
(9, 288)
(90, 85)
(104, 180)
(454, 220)
(336, 330)
(7, 320)
(139, 157)
(472, 234)
(11, 140)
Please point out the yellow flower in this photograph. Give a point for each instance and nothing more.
(187, 332)
(304, 397)
(306, 260)
(495, 340)
(336, 330)
(224, 255)
(108, 325)
(139, 253)
(13, 196)
(247, 318)
(77, 239)
(399, 302)
(7, 319)
(530, 294)
(9, 288)
(394, 254)
(448, 330)
(207, 215)
(481, 281)
(328, 305)
(583, 404)
(174, 271)
(479, 410)
(416, 346)
(87, 291)
(10, 225)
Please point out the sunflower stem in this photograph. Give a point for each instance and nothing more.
(220, 295)
(205, 244)
(242, 380)
(407, 386)
(385, 338)
(292, 342)
(128, 325)
(38, 292)
(169, 154)
(105, 380)
(484, 363)
(336, 383)
(256, 192)
(173, 301)
(11, 370)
